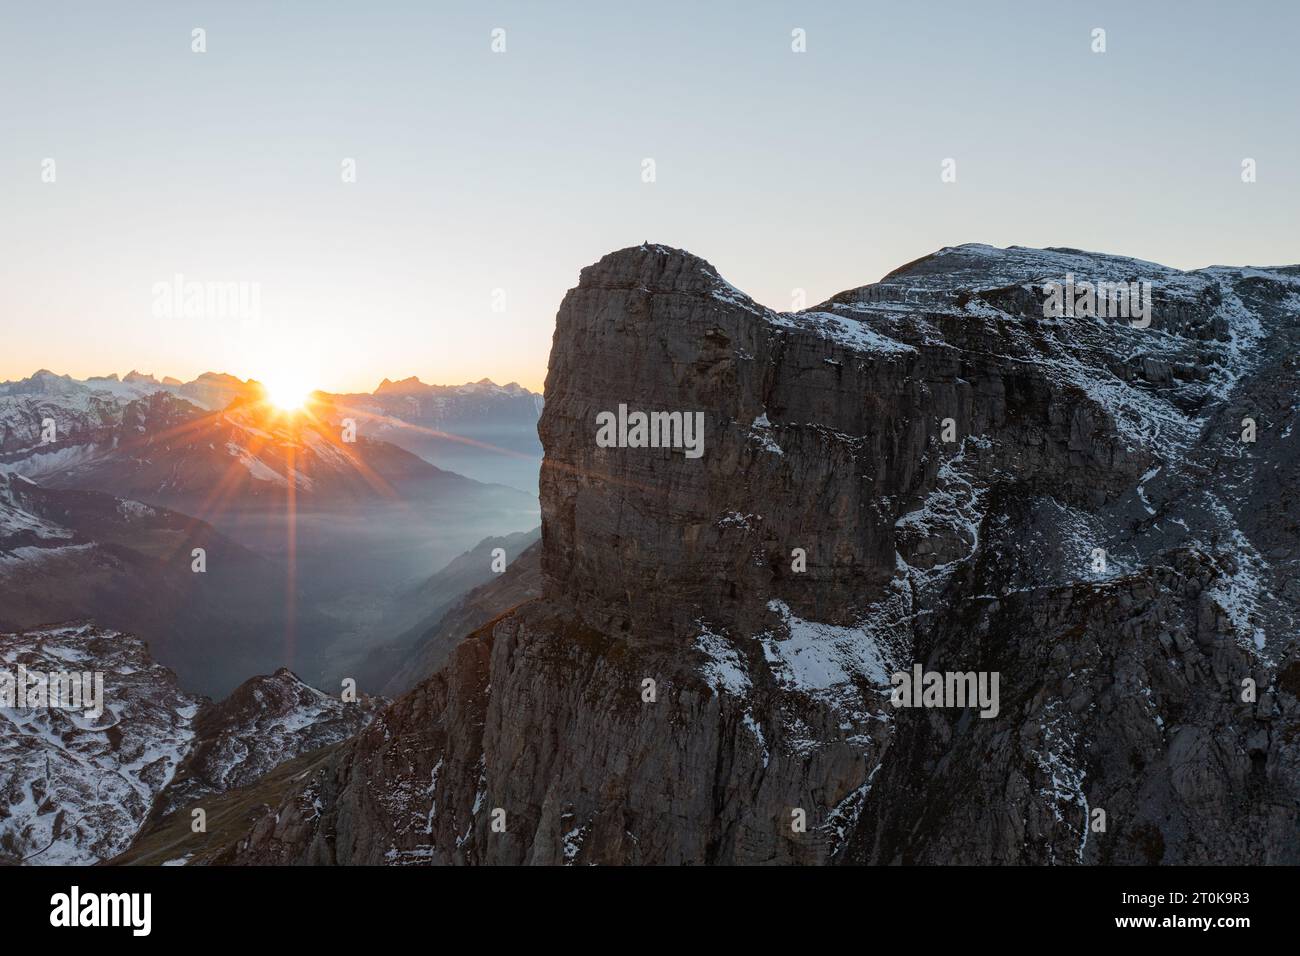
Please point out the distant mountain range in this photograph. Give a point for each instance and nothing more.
(167, 450)
(480, 429)
(109, 485)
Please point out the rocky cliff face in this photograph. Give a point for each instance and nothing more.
(927, 470)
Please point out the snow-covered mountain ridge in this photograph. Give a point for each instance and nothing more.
(77, 789)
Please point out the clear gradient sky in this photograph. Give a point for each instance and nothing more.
(478, 171)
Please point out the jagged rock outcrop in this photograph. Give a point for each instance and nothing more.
(266, 721)
(974, 485)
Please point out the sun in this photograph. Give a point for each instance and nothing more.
(287, 391)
